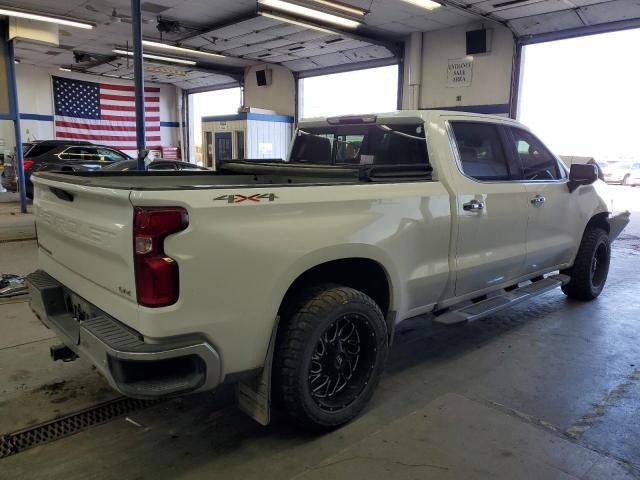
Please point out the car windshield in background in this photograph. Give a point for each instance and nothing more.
(351, 145)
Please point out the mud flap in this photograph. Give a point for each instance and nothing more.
(617, 224)
(254, 394)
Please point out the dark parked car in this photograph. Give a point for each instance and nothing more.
(59, 155)
(155, 166)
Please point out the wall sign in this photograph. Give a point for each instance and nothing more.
(459, 72)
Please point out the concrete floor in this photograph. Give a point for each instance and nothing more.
(549, 389)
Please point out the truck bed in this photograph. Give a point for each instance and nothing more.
(238, 175)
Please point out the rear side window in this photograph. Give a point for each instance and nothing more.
(537, 161)
(481, 153)
(37, 150)
(361, 145)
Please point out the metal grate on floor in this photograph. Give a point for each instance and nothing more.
(16, 442)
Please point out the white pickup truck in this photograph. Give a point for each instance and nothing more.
(289, 278)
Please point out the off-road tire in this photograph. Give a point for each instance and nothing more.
(586, 284)
(306, 319)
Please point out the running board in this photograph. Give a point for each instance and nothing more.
(492, 305)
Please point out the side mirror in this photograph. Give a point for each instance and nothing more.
(582, 174)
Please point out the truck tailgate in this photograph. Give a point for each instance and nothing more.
(86, 243)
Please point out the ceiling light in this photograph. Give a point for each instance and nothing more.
(341, 6)
(156, 57)
(296, 22)
(64, 69)
(175, 48)
(427, 4)
(309, 12)
(10, 12)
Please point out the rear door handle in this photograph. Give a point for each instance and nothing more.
(538, 200)
(473, 206)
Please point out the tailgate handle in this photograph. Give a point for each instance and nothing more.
(62, 194)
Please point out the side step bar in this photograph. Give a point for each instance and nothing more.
(476, 311)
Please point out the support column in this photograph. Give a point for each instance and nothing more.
(15, 117)
(138, 73)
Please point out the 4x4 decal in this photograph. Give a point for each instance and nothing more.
(255, 198)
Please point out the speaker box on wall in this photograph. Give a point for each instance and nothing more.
(477, 42)
(263, 77)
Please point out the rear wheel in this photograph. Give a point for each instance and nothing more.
(590, 270)
(330, 355)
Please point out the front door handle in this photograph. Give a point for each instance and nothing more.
(473, 206)
(538, 200)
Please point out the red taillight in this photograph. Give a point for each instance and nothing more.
(26, 164)
(157, 282)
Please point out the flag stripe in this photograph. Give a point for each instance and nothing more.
(127, 88)
(114, 128)
(124, 108)
(129, 119)
(126, 98)
(119, 138)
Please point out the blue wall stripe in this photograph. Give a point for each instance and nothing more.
(249, 116)
(49, 118)
(36, 116)
(497, 108)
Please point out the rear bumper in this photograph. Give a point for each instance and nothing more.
(133, 365)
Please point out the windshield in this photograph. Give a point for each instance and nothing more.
(361, 145)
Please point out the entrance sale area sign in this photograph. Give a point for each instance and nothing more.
(459, 72)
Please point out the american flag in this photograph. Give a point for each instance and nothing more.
(104, 113)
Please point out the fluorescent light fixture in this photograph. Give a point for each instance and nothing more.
(10, 12)
(156, 57)
(341, 6)
(296, 22)
(175, 48)
(309, 13)
(426, 4)
(64, 69)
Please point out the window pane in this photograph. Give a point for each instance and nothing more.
(107, 154)
(537, 161)
(481, 152)
(361, 91)
(36, 150)
(361, 144)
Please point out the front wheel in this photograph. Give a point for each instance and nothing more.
(330, 355)
(590, 270)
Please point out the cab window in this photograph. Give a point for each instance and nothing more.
(537, 161)
(378, 145)
(481, 153)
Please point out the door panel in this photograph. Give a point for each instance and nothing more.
(552, 226)
(491, 210)
(553, 218)
(491, 242)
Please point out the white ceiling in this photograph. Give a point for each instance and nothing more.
(232, 28)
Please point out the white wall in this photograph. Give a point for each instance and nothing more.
(491, 81)
(35, 96)
(279, 96)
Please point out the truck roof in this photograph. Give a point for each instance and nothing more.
(400, 116)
